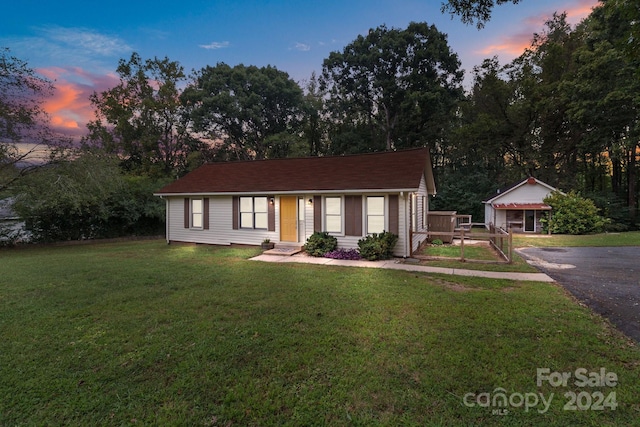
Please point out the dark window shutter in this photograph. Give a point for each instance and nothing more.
(393, 214)
(317, 213)
(236, 211)
(205, 213)
(353, 215)
(187, 202)
(271, 214)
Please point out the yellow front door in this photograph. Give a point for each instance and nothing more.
(288, 219)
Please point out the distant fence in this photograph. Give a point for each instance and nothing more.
(500, 240)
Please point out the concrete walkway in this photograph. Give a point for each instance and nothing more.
(399, 265)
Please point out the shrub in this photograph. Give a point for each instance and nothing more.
(377, 246)
(437, 242)
(573, 214)
(11, 235)
(319, 243)
(351, 254)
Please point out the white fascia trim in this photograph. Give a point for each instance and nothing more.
(276, 192)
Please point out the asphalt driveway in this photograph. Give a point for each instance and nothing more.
(605, 279)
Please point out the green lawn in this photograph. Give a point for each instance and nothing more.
(521, 240)
(482, 252)
(631, 238)
(141, 333)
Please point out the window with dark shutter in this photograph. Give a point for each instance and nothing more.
(375, 214)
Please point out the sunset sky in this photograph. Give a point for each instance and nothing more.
(78, 44)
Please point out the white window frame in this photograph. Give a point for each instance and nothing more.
(250, 218)
(414, 212)
(197, 215)
(369, 215)
(340, 216)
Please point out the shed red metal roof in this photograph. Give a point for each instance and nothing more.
(522, 206)
(399, 170)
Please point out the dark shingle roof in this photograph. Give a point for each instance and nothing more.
(400, 170)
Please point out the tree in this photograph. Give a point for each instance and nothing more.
(26, 141)
(142, 120)
(604, 101)
(315, 126)
(573, 214)
(86, 198)
(478, 11)
(515, 118)
(393, 88)
(546, 67)
(253, 113)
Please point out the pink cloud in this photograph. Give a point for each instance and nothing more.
(514, 45)
(69, 107)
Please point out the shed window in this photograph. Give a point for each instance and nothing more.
(333, 214)
(375, 214)
(253, 212)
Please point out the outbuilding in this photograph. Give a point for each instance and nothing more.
(519, 207)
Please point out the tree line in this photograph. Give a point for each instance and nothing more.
(565, 111)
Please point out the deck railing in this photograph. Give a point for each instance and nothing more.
(499, 239)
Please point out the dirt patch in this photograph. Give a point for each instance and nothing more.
(452, 286)
(457, 287)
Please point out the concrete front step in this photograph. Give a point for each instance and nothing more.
(284, 250)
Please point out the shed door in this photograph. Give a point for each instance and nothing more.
(529, 220)
(288, 219)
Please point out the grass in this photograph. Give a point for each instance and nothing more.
(518, 264)
(474, 252)
(631, 238)
(141, 333)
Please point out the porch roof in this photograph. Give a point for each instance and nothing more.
(522, 206)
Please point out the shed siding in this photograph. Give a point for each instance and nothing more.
(526, 193)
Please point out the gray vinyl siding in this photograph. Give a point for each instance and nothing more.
(422, 209)
(221, 230)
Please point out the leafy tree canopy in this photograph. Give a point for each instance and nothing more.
(477, 11)
(26, 141)
(142, 120)
(89, 197)
(398, 86)
(251, 112)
